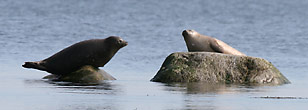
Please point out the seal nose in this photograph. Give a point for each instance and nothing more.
(184, 32)
(125, 43)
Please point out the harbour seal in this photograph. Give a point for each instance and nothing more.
(196, 42)
(94, 52)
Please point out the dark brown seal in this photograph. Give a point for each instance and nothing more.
(196, 42)
(95, 52)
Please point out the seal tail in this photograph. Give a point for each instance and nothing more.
(35, 65)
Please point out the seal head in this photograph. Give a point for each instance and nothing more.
(116, 41)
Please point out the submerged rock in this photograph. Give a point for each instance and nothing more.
(86, 74)
(218, 68)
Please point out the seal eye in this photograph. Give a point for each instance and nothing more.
(191, 32)
(120, 41)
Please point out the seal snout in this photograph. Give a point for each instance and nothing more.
(187, 32)
(125, 43)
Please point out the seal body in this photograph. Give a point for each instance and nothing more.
(196, 42)
(94, 52)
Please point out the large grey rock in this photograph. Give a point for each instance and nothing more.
(86, 74)
(218, 68)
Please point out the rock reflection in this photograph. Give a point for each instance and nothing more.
(208, 96)
(78, 88)
(104, 87)
(212, 88)
(197, 88)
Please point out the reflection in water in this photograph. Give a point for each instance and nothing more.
(211, 88)
(105, 87)
(207, 96)
(196, 88)
(102, 88)
(87, 107)
(195, 103)
(79, 96)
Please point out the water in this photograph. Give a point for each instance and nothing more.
(32, 30)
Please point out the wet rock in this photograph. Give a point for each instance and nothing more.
(218, 68)
(87, 74)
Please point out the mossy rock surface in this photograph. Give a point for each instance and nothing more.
(218, 68)
(86, 74)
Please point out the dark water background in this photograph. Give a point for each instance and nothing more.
(31, 30)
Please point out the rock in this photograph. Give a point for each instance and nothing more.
(218, 68)
(86, 74)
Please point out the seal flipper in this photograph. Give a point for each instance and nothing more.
(35, 65)
(216, 47)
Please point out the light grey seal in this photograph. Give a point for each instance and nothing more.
(94, 52)
(196, 42)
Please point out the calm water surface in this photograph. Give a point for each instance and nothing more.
(31, 30)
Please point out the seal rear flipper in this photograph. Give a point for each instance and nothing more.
(35, 65)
